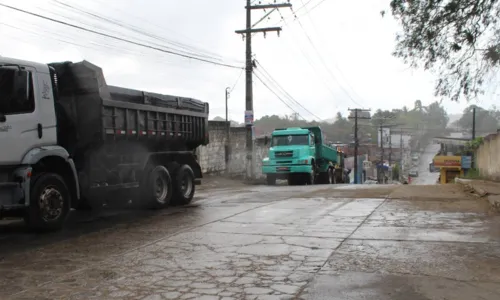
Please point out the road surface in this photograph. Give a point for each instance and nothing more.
(257, 242)
(424, 176)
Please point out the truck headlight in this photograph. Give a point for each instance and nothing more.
(265, 161)
(303, 161)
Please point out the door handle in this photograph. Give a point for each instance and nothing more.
(40, 130)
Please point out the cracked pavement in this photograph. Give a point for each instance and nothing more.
(259, 242)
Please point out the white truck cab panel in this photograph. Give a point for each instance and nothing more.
(27, 113)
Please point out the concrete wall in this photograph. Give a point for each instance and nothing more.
(212, 157)
(488, 158)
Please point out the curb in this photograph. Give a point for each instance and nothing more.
(468, 184)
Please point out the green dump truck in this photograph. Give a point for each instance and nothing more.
(300, 156)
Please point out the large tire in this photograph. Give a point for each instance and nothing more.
(184, 185)
(156, 188)
(271, 179)
(50, 201)
(310, 178)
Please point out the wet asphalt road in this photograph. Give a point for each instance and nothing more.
(424, 176)
(258, 242)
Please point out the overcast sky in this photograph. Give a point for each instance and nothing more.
(336, 55)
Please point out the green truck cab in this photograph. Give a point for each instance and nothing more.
(300, 156)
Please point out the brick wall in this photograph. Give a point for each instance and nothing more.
(212, 157)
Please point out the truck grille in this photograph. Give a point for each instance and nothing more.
(280, 154)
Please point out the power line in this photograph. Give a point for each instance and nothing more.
(187, 49)
(279, 98)
(335, 64)
(119, 38)
(325, 65)
(272, 85)
(237, 80)
(285, 92)
(315, 71)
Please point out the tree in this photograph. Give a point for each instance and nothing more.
(486, 120)
(460, 39)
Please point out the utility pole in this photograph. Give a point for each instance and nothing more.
(473, 122)
(356, 142)
(401, 153)
(228, 129)
(382, 121)
(390, 147)
(249, 65)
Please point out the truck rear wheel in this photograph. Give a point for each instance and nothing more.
(184, 185)
(49, 202)
(157, 188)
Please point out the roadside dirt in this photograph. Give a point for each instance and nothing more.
(445, 198)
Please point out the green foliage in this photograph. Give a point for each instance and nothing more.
(460, 39)
(432, 118)
(472, 174)
(486, 120)
(395, 172)
(474, 144)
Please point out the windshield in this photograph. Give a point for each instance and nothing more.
(287, 140)
(16, 92)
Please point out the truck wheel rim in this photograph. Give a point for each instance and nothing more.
(186, 186)
(161, 188)
(51, 204)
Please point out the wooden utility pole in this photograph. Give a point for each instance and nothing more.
(228, 129)
(356, 142)
(401, 153)
(249, 65)
(473, 123)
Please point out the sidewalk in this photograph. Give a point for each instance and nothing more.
(483, 188)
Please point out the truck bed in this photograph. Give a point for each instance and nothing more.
(329, 154)
(99, 113)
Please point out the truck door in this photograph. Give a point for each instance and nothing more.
(19, 113)
(312, 144)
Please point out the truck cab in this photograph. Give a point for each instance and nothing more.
(28, 139)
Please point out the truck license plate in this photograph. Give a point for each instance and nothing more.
(282, 169)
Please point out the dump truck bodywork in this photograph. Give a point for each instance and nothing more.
(65, 128)
(300, 156)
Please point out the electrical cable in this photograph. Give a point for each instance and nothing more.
(284, 91)
(335, 64)
(118, 38)
(326, 66)
(279, 98)
(187, 49)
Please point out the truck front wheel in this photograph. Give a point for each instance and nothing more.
(184, 185)
(49, 202)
